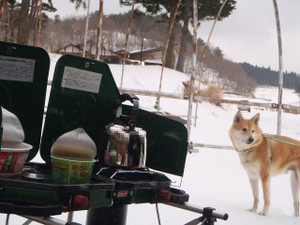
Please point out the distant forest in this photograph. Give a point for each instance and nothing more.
(266, 76)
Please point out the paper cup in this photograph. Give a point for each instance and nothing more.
(12, 158)
(66, 171)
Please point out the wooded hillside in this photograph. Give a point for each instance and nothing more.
(154, 30)
(266, 76)
(148, 31)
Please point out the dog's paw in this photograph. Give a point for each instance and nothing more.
(252, 210)
(263, 213)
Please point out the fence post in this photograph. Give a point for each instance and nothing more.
(280, 80)
(191, 94)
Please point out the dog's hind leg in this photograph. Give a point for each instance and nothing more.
(295, 190)
(254, 188)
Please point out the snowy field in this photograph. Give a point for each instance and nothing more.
(213, 177)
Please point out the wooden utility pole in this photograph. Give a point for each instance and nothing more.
(142, 47)
(99, 31)
(191, 94)
(126, 41)
(2, 4)
(204, 55)
(86, 28)
(280, 82)
(166, 50)
(40, 23)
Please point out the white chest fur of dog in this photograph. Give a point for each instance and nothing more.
(263, 158)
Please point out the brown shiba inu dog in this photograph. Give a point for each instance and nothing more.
(264, 156)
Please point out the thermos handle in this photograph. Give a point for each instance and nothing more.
(128, 97)
(135, 107)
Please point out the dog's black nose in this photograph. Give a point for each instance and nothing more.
(250, 140)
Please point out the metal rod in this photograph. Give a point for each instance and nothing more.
(27, 222)
(204, 54)
(126, 41)
(158, 214)
(86, 28)
(191, 94)
(70, 216)
(212, 146)
(280, 80)
(204, 99)
(153, 93)
(46, 220)
(99, 31)
(7, 219)
(166, 50)
(142, 46)
(197, 209)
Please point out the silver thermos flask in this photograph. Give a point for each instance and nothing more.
(127, 145)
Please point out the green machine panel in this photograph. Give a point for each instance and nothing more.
(23, 82)
(83, 94)
(166, 142)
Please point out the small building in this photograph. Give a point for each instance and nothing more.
(69, 49)
(153, 56)
(144, 57)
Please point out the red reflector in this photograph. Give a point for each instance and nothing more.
(80, 202)
(164, 195)
(174, 199)
(122, 194)
(65, 209)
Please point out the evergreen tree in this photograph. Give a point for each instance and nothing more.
(207, 10)
(266, 76)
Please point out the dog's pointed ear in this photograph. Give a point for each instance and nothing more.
(238, 117)
(256, 118)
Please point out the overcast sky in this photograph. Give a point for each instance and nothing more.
(247, 35)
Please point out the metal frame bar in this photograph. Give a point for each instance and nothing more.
(197, 209)
(44, 220)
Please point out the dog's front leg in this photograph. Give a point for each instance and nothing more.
(254, 188)
(295, 190)
(266, 189)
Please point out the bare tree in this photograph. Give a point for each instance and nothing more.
(184, 35)
(2, 4)
(23, 31)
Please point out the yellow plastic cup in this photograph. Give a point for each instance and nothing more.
(66, 171)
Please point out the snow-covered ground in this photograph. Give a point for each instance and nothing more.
(213, 177)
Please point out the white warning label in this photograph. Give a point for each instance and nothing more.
(81, 80)
(16, 69)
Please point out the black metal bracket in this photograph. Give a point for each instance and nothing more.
(208, 218)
